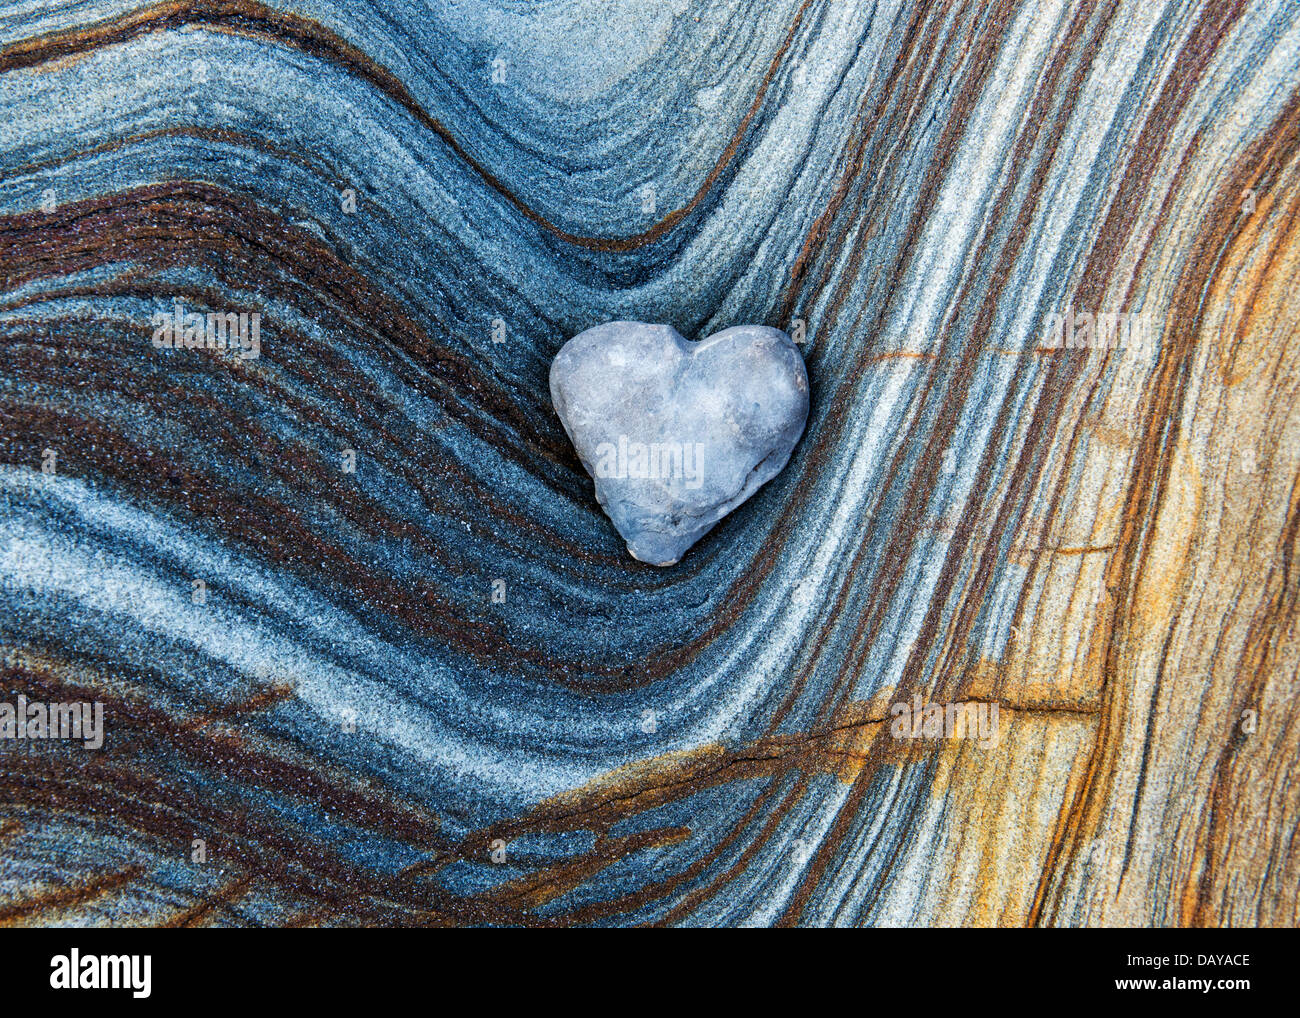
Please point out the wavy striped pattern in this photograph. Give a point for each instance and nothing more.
(433, 689)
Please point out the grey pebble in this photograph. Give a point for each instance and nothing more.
(677, 434)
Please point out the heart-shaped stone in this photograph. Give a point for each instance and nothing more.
(677, 434)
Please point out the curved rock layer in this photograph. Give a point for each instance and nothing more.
(367, 649)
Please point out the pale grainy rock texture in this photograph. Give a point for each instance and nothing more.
(677, 434)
